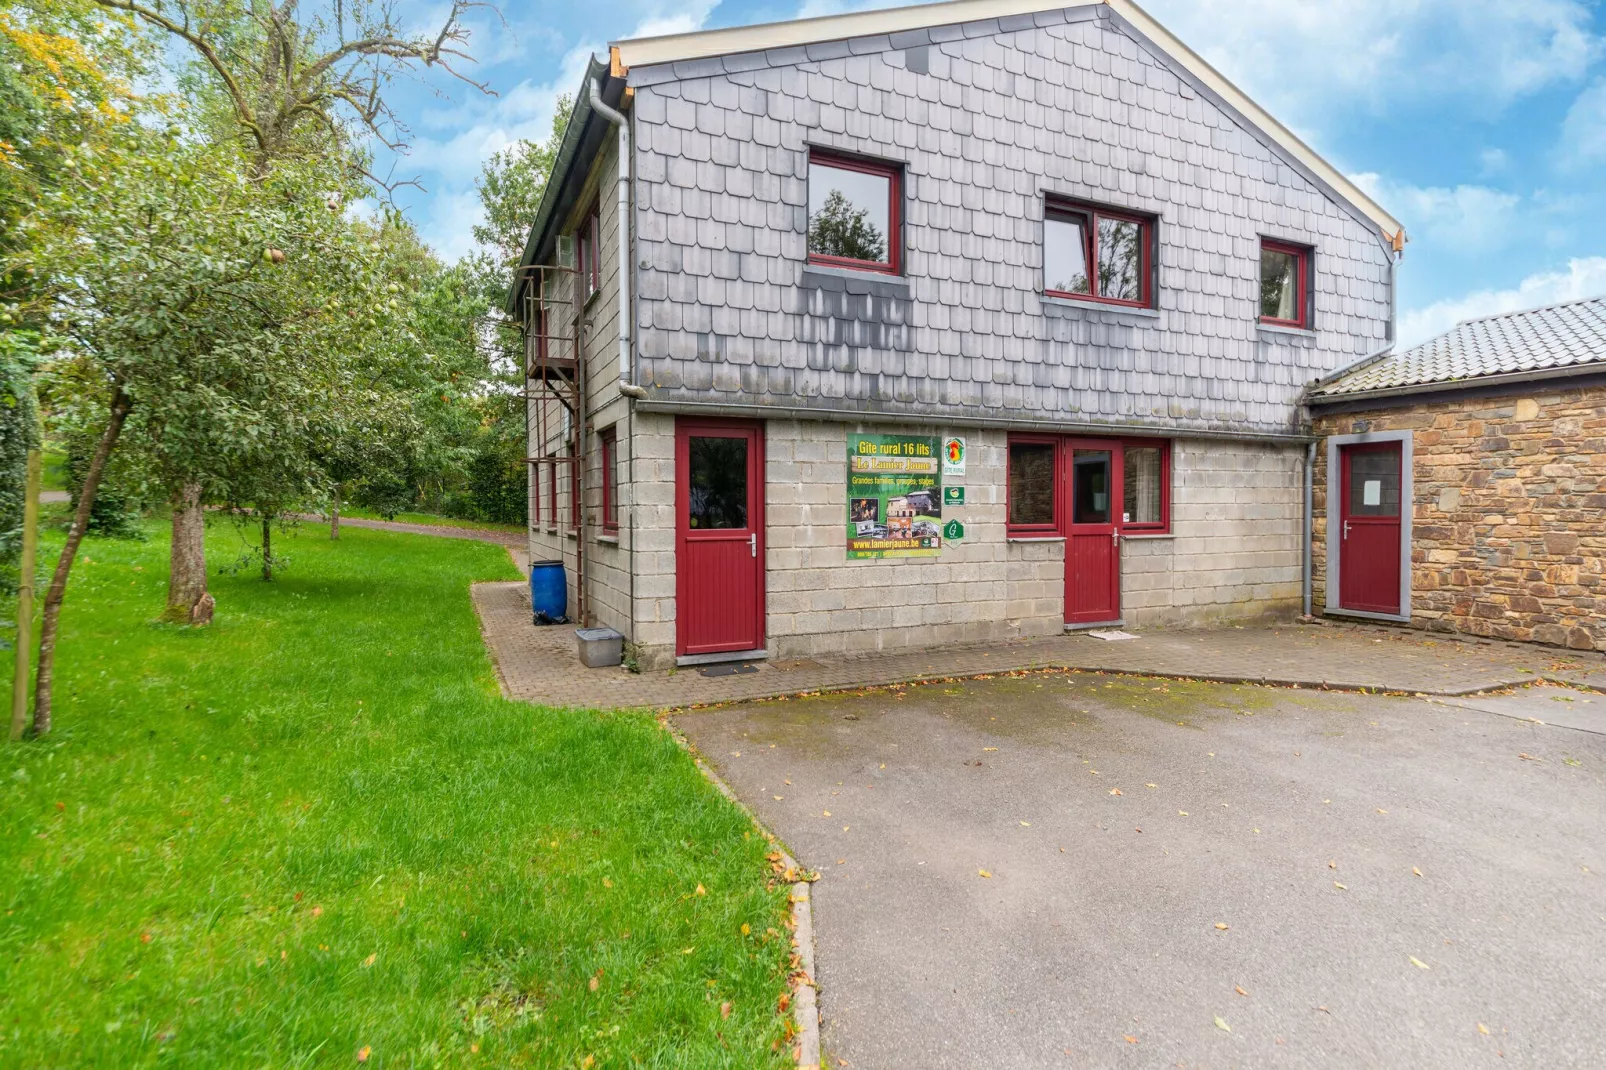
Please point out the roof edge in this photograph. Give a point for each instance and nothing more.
(705, 44)
(1441, 386)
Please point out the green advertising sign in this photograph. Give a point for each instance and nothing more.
(953, 495)
(894, 497)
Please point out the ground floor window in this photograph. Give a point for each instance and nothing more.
(1045, 470)
(610, 480)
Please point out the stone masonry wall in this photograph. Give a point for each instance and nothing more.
(1509, 513)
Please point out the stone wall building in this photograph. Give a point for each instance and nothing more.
(959, 322)
(1487, 448)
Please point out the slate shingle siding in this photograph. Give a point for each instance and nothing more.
(1067, 102)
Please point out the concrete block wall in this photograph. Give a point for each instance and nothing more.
(1234, 549)
(819, 602)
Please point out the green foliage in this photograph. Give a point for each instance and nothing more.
(19, 433)
(511, 185)
(838, 229)
(315, 827)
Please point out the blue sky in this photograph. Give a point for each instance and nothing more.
(1480, 123)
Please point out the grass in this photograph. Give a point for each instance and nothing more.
(315, 828)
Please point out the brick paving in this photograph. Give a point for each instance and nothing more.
(539, 664)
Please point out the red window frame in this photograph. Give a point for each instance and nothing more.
(1090, 215)
(893, 265)
(1039, 530)
(574, 492)
(1061, 491)
(609, 443)
(1163, 525)
(1301, 255)
(587, 241)
(551, 496)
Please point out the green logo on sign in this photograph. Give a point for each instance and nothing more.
(953, 531)
(953, 495)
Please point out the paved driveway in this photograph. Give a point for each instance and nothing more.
(1083, 870)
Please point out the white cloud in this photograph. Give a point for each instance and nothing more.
(1460, 219)
(1298, 54)
(1584, 277)
(468, 133)
(1583, 132)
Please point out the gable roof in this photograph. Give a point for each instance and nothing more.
(1552, 341)
(707, 44)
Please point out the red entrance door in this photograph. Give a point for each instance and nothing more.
(1369, 538)
(719, 542)
(1092, 540)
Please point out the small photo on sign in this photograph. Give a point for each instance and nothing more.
(866, 509)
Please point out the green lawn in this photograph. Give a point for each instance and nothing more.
(315, 828)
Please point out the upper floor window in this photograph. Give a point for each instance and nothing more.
(854, 212)
(1284, 284)
(589, 263)
(1098, 254)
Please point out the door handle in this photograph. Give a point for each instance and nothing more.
(1115, 537)
(752, 544)
(1346, 529)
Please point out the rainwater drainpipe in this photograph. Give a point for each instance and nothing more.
(626, 387)
(1310, 528)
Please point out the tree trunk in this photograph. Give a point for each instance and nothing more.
(187, 599)
(267, 548)
(44, 677)
(334, 515)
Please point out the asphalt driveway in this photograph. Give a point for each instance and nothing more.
(1085, 870)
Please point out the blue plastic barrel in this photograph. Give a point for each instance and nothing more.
(549, 592)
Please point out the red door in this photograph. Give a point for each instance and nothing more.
(719, 541)
(1369, 538)
(1092, 471)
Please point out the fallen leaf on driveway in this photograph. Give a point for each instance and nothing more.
(1418, 962)
(1332, 865)
(1529, 758)
(827, 813)
(1483, 1029)
(777, 798)
(1221, 925)
(1129, 1038)
(983, 873)
(1222, 1025)
(1182, 813)
(1151, 785)
(1418, 872)
(989, 748)
(1381, 810)
(1341, 887)
(1239, 989)
(1025, 824)
(1115, 791)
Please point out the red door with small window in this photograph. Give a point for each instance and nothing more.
(719, 542)
(1369, 533)
(1092, 473)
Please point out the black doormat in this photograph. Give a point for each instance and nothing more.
(729, 668)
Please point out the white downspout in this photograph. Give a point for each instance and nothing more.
(626, 267)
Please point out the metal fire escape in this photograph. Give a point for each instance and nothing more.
(554, 375)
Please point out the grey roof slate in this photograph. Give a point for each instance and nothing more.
(1572, 334)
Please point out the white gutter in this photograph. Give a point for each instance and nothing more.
(626, 268)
